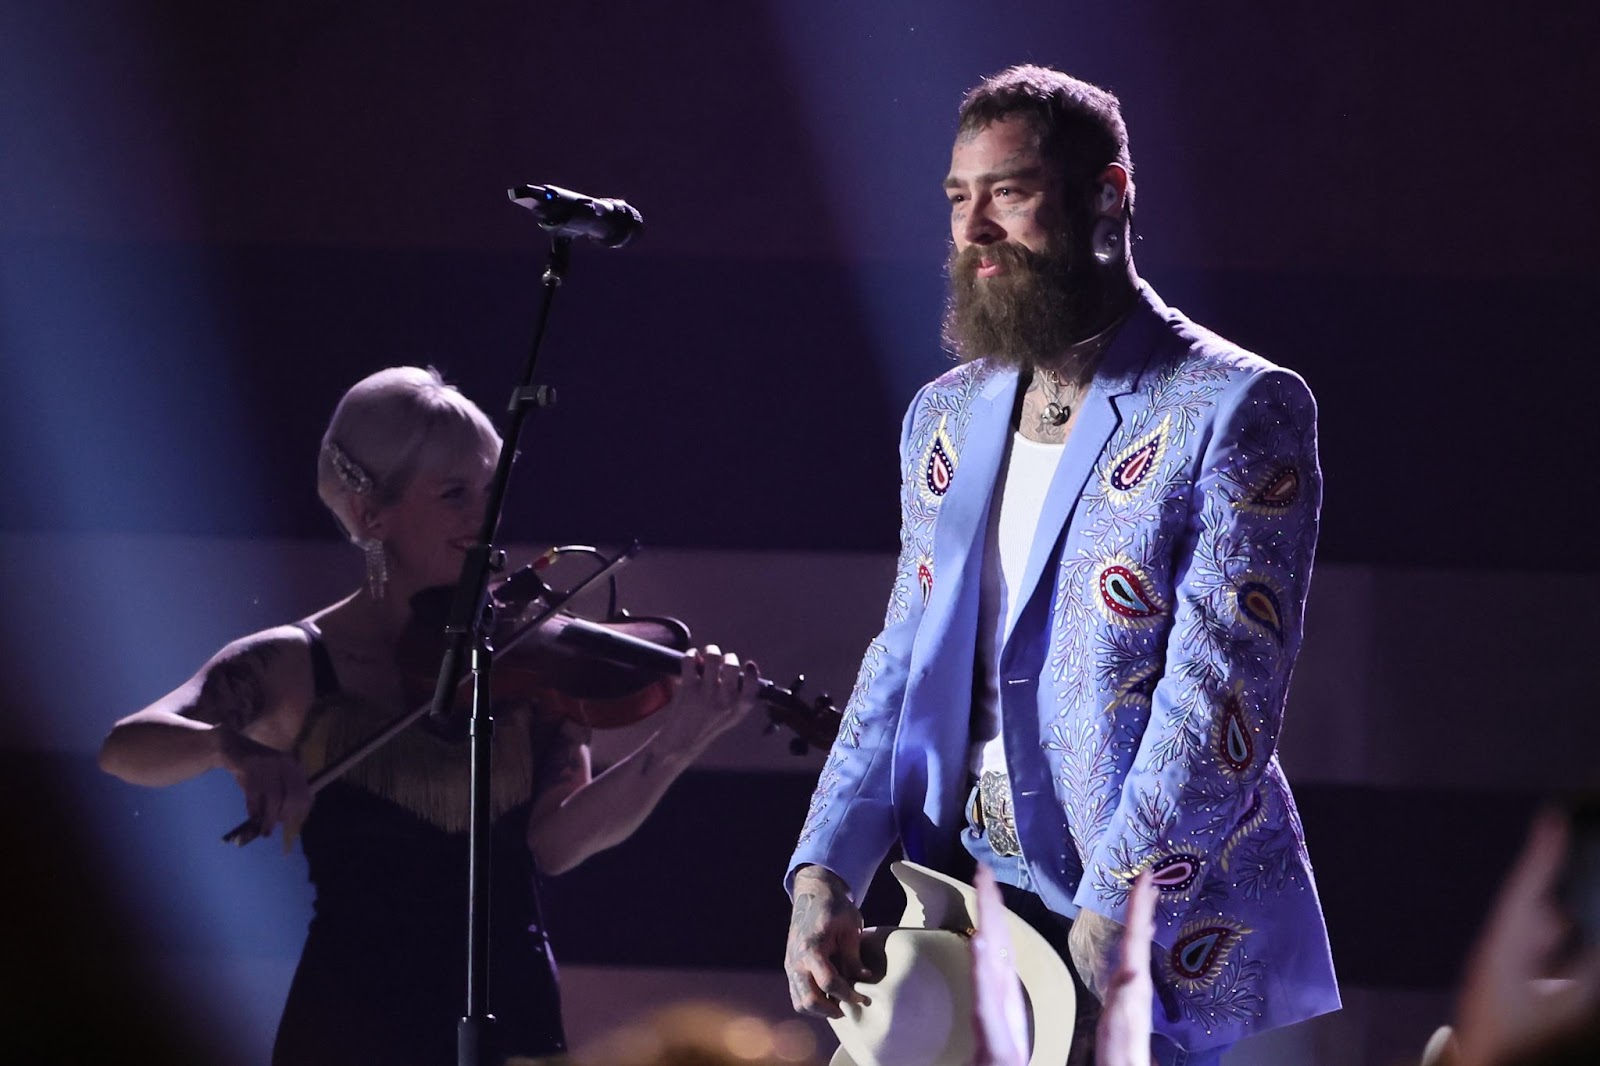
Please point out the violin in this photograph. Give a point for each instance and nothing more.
(586, 682)
(604, 675)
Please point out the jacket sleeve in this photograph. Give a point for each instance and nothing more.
(1240, 573)
(850, 825)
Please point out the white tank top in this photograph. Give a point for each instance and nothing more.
(1013, 526)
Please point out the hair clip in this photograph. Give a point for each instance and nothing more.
(350, 473)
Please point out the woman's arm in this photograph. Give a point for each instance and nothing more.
(240, 713)
(577, 815)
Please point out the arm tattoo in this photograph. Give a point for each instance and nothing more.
(806, 908)
(235, 689)
(803, 936)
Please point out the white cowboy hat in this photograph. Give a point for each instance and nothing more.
(921, 1013)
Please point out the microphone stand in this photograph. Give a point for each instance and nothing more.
(468, 643)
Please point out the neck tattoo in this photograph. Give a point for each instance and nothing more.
(1055, 412)
(1058, 412)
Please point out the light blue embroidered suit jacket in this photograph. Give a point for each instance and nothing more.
(1143, 684)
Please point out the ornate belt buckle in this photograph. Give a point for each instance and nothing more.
(999, 820)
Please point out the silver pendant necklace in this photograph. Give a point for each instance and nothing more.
(1055, 412)
(1084, 354)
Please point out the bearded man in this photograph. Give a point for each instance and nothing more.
(1109, 515)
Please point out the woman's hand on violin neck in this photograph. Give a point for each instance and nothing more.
(714, 692)
(273, 782)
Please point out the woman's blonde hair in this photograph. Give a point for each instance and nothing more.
(386, 429)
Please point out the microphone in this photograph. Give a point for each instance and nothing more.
(565, 213)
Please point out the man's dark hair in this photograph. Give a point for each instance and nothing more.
(1079, 126)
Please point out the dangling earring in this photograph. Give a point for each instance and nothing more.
(377, 567)
(1106, 242)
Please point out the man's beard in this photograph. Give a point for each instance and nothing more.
(1028, 314)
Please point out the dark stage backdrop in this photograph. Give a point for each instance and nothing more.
(215, 217)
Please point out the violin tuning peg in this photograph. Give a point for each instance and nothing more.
(799, 679)
(497, 561)
(798, 746)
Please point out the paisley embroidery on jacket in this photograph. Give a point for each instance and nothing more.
(938, 464)
(1275, 493)
(1170, 873)
(1232, 997)
(1259, 605)
(1201, 950)
(932, 454)
(1127, 595)
(1130, 471)
(925, 577)
(1235, 745)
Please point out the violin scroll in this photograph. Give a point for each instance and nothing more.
(815, 724)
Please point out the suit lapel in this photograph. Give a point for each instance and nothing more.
(942, 656)
(963, 516)
(1098, 419)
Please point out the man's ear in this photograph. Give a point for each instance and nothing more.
(1111, 192)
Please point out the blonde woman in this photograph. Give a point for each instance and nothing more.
(405, 467)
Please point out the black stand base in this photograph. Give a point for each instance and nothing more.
(475, 1041)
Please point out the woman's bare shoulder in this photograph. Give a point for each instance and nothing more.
(253, 676)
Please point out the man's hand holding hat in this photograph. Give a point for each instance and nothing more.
(1093, 941)
(823, 956)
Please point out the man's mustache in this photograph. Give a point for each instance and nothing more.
(1010, 255)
